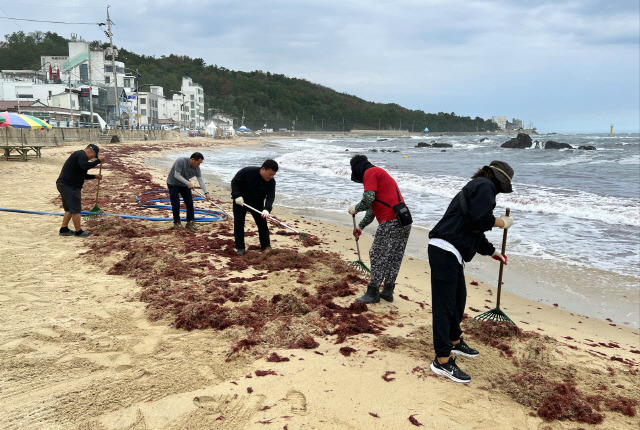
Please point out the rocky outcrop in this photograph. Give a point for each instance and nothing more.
(433, 145)
(587, 147)
(522, 141)
(552, 144)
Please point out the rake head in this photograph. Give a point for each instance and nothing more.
(494, 315)
(359, 266)
(94, 213)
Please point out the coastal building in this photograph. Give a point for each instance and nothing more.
(83, 81)
(194, 98)
(501, 121)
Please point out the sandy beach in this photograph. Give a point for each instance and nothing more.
(141, 326)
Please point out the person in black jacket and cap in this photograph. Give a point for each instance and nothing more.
(256, 187)
(455, 239)
(69, 184)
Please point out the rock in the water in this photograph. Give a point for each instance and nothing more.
(442, 145)
(522, 141)
(423, 145)
(552, 144)
(587, 147)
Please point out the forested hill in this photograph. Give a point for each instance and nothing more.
(263, 97)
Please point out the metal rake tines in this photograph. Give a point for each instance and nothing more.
(494, 315)
(360, 266)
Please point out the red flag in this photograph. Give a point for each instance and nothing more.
(50, 72)
(58, 74)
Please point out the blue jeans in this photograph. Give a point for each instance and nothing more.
(175, 192)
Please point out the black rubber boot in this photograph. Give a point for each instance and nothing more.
(371, 296)
(387, 293)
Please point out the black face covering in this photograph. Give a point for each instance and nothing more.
(358, 169)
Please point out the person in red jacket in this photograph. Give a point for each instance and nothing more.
(381, 194)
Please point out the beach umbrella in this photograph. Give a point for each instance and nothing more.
(18, 120)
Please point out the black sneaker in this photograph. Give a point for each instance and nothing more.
(177, 225)
(240, 252)
(451, 370)
(82, 233)
(67, 233)
(463, 349)
(192, 226)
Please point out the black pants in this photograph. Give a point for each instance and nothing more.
(239, 215)
(448, 298)
(174, 195)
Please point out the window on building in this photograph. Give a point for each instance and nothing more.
(107, 80)
(143, 100)
(143, 112)
(127, 82)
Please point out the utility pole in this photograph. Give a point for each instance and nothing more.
(70, 105)
(113, 65)
(90, 90)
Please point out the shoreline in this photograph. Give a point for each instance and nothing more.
(80, 349)
(582, 290)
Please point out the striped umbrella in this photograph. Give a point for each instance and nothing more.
(18, 120)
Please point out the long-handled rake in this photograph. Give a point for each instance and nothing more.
(496, 314)
(358, 264)
(96, 211)
(302, 236)
(221, 210)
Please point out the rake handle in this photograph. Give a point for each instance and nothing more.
(504, 248)
(98, 186)
(272, 218)
(356, 237)
(204, 197)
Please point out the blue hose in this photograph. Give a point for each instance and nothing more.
(210, 215)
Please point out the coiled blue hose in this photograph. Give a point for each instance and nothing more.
(210, 214)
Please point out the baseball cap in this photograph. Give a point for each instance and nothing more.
(94, 148)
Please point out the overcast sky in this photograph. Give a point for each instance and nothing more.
(565, 66)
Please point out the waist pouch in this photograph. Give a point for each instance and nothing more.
(403, 215)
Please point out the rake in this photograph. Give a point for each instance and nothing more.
(301, 236)
(96, 212)
(496, 314)
(358, 264)
(210, 201)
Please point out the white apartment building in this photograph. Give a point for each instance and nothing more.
(501, 121)
(63, 81)
(194, 99)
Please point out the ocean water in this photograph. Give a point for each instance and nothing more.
(576, 238)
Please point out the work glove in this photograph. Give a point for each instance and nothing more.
(352, 210)
(501, 258)
(357, 232)
(239, 201)
(265, 213)
(508, 221)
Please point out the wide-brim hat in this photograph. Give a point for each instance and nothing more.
(503, 173)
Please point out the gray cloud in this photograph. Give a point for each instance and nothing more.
(543, 61)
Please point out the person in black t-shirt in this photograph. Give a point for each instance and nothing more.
(256, 187)
(69, 184)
